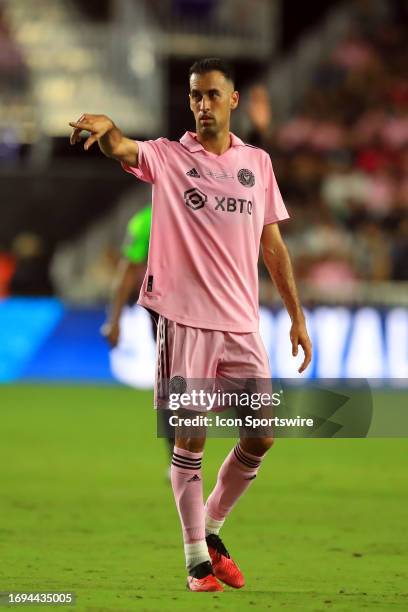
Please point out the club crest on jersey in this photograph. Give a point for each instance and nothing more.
(246, 177)
(194, 198)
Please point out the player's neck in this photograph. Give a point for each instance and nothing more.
(216, 143)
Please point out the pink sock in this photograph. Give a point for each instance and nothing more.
(188, 493)
(236, 474)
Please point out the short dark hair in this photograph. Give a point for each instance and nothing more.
(208, 64)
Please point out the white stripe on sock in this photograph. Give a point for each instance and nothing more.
(196, 553)
(212, 526)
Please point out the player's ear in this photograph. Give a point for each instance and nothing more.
(234, 100)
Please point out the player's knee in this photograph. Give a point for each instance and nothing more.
(267, 443)
(263, 445)
(192, 444)
(257, 446)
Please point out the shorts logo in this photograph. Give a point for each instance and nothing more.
(194, 198)
(246, 177)
(177, 385)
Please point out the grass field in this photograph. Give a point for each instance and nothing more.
(85, 507)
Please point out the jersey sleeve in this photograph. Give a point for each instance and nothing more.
(151, 160)
(275, 209)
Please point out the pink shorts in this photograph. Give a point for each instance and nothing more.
(190, 357)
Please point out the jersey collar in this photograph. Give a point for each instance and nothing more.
(190, 142)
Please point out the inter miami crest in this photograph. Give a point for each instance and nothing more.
(246, 177)
(178, 385)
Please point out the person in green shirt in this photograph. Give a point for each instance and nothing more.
(131, 271)
(130, 276)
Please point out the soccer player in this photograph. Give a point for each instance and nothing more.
(131, 270)
(215, 203)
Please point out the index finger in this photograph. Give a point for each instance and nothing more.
(81, 125)
(294, 341)
(78, 126)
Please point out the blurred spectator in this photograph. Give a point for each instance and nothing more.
(343, 184)
(10, 145)
(341, 160)
(7, 266)
(31, 275)
(13, 71)
(394, 133)
(372, 252)
(328, 273)
(260, 112)
(325, 237)
(85, 279)
(400, 252)
(95, 284)
(198, 9)
(354, 53)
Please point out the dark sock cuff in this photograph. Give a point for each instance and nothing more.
(246, 459)
(181, 459)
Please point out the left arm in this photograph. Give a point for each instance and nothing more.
(277, 261)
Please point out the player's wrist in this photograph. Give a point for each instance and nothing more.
(298, 317)
(111, 139)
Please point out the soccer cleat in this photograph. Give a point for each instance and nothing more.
(224, 567)
(201, 579)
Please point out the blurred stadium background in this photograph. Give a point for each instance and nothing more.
(324, 90)
(84, 505)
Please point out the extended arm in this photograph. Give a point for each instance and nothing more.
(277, 261)
(110, 139)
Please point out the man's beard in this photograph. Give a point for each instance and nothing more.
(207, 130)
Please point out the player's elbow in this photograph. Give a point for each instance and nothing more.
(270, 255)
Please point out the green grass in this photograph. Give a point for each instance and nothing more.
(85, 507)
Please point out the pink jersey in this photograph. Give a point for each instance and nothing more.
(207, 218)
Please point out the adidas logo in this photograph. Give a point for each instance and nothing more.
(194, 478)
(193, 172)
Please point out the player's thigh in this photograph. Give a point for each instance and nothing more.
(186, 364)
(244, 357)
